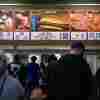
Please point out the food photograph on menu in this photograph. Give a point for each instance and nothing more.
(23, 21)
(7, 21)
(53, 23)
(87, 20)
(83, 20)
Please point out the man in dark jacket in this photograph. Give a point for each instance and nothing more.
(71, 76)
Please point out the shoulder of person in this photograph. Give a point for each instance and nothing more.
(14, 86)
(65, 57)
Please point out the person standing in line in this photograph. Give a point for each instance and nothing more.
(33, 75)
(15, 66)
(22, 74)
(10, 88)
(71, 75)
(98, 82)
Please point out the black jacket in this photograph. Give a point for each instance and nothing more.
(71, 76)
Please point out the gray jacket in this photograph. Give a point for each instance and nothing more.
(12, 89)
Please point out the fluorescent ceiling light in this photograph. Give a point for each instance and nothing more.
(7, 4)
(73, 4)
(85, 4)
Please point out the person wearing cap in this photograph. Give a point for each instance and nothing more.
(10, 88)
(72, 75)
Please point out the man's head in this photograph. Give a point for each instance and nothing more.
(77, 48)
(52, 58)
(33, 59)
(17, 58)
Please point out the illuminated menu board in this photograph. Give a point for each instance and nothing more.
(21, 35)
(6, 35)
(50, 24)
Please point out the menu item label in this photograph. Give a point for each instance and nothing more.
(38, 35)
(21, 35)
(65, 35)
(53, 35)
(6, 35)
(97, 35)
(91, 35)
(78, 35)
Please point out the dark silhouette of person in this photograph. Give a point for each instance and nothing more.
(71, 75)
(33, 74)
